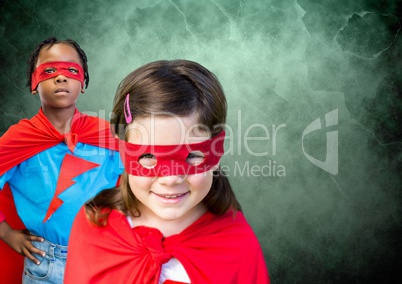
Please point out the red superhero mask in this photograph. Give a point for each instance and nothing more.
(69, 69)
(167, 160)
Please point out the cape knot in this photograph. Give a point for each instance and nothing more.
(71, 140)
(152, 239)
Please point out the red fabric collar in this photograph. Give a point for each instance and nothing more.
(214, 249)
(32, 136)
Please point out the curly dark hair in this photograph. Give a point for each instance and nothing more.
(49, 42)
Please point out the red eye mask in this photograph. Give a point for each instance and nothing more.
(172, 159)
(61, 68)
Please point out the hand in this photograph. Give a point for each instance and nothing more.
(20, 241)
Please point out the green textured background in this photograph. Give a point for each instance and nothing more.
(280, 62)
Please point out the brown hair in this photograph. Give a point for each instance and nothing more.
(177, 87)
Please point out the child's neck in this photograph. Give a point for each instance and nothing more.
(169, 227)
(60, 118)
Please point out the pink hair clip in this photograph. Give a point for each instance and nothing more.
(129, 118)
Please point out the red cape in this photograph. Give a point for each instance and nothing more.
(214, 249)
(26, 139)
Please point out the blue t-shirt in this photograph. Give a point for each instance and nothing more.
(33, 184)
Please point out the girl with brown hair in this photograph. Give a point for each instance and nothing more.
(175, 217)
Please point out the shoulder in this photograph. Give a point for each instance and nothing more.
(236, 220)
(84, 227)
(232, 225)
(239, 231)
(19, 130)
(81, 220)
(16, 128)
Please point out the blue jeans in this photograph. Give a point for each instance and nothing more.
(51, 267)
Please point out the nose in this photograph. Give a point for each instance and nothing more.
(60, 79)
(171, 180)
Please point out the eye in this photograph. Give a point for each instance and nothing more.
(148, 160)
(73, 70)
(50, 70)
(195, 158)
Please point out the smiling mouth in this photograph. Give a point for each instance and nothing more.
(171, 196)
(61, 90)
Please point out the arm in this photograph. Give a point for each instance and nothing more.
(20, 241)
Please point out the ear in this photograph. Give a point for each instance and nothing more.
(34, 92)
(82, 90)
